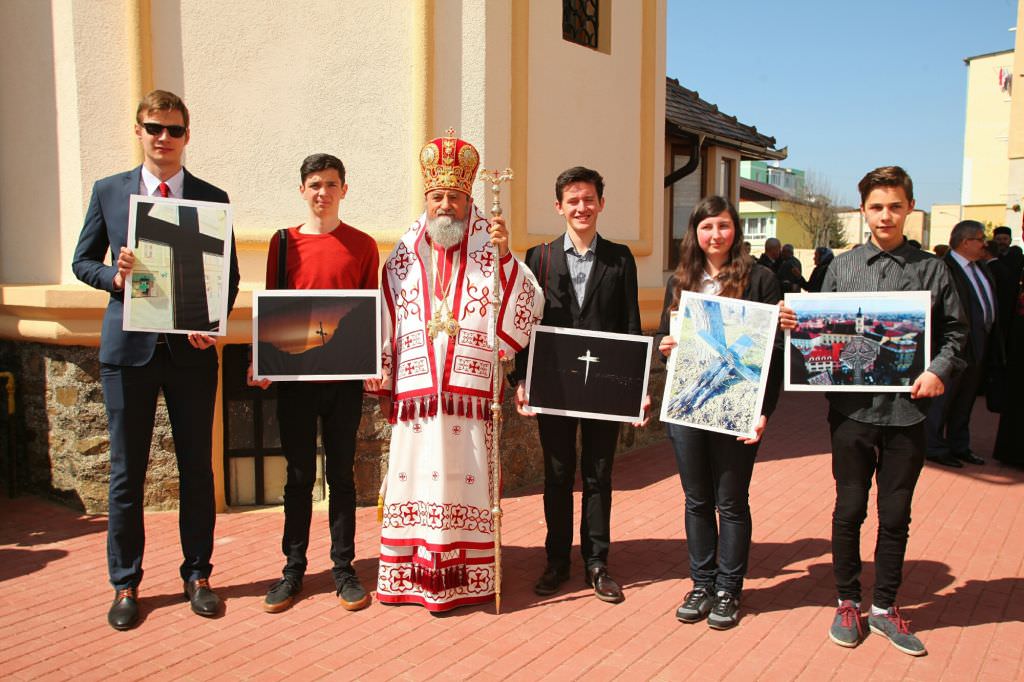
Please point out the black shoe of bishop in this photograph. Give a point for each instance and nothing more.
(202, 598)
(124, 612)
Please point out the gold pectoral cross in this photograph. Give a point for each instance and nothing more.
(447, 324)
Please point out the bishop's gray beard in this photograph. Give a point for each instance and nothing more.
(446, 231)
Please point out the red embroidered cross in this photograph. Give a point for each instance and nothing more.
(435, 515)
(402, 260)
(478, 579)
(470, 479)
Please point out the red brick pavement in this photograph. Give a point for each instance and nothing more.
(963, 590)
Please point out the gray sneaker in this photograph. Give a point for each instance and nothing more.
(893, 626)
(282, 594)
(695, 606)
(725, 611)
(845, 630)
(352, 595)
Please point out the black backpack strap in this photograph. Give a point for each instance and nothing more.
(282, 258)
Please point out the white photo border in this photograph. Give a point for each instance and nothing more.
(636, 338)
(767, 349)
(257, 296)
(921, 300)
(133, 207)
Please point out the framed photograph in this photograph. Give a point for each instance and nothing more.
(182, 254)
(718, 371)
(316, 335)
(582, 373)
(877, 341)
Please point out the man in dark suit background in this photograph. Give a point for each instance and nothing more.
(589, 283)
(948, 423)
(136, 366)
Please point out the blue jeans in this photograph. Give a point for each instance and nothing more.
(715, 471)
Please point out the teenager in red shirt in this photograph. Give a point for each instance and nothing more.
(322, 253)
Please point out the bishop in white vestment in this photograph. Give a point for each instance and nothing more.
(437, 535)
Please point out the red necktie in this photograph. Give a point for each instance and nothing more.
(165, 191)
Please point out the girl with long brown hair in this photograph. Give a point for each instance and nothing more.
(715, 468)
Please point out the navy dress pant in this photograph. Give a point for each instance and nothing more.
(130, 394)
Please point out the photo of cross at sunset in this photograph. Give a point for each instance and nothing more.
(316, 335)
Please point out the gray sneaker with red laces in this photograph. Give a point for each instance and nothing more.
(892, 625)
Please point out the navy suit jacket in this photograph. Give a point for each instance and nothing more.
(106, 229)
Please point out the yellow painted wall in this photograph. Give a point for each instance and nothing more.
(268, 83)
(1015, 179)
(788, 230)
(562, 118)
(986, 131)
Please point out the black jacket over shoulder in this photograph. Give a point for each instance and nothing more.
(610, 303)
(762, 287)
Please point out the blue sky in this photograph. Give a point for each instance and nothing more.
(847, 86)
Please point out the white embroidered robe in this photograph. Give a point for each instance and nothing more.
(437, 541)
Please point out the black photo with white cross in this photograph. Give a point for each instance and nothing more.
(583, 373)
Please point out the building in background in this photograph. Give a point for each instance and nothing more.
(992, 186)
(263, 93)
(704, 149)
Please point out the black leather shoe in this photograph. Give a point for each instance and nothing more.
(969, 457)
(124, 612)
(204, 600)
(605, 588)
(551, 580)
(946, 460)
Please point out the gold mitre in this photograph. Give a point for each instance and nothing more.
(449, 163)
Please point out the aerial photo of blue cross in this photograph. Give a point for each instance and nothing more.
(729, 363)
(588, 358)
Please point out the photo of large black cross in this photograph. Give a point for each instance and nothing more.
(187, 244)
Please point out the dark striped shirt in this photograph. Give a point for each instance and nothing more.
(905, 268)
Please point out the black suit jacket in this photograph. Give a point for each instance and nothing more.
(610, 303)
(106, 229)
(991, 350)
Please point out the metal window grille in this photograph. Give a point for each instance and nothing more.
(579, 22)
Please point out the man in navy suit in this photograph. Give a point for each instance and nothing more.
(590, 283)
(136, 366)
(949, 416)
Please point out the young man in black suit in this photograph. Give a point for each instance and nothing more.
(589, 283)
(136, 366)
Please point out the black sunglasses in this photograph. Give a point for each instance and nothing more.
(155, 129)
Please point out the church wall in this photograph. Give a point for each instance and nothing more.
(589, 107)
(267, 84)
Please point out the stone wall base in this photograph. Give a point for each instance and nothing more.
(64, 448)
